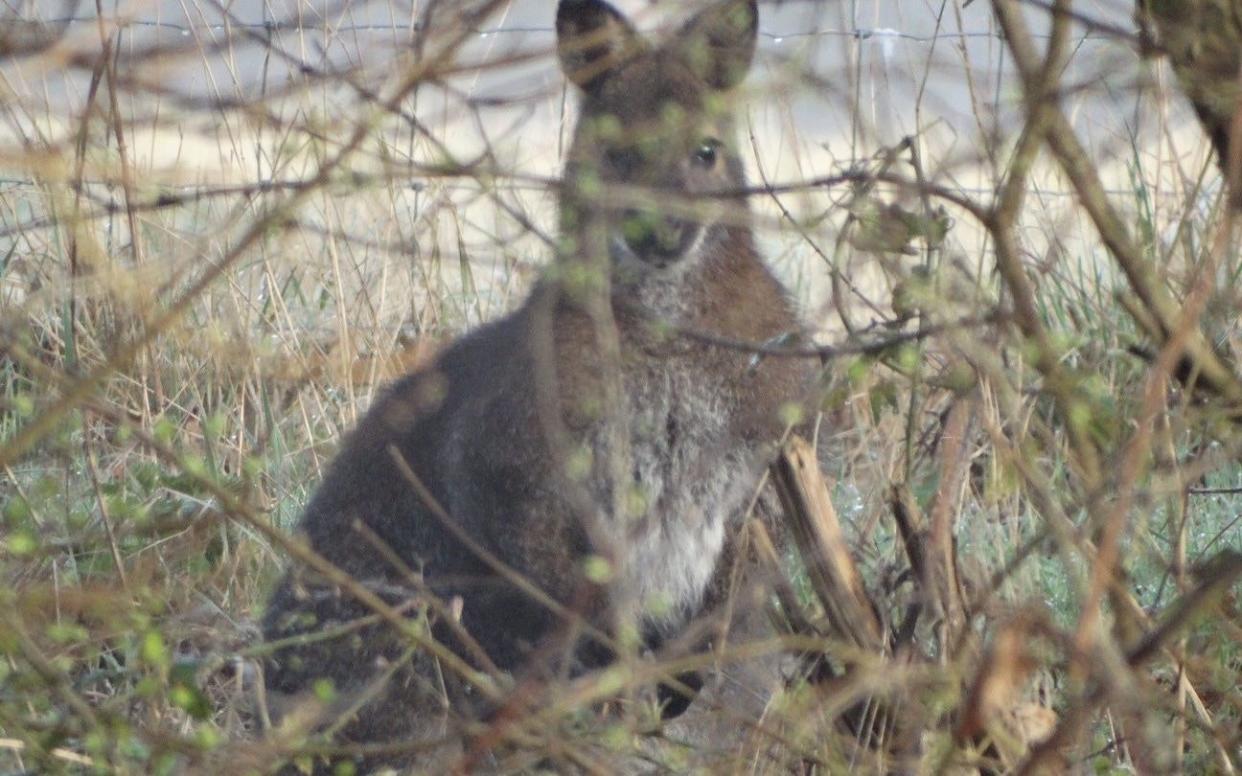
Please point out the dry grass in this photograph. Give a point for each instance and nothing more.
(219, 237)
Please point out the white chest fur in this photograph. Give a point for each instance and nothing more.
(692, 474)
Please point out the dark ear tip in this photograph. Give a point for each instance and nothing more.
(564, 12)
(565, 7)
(591, 37)
(569, 11)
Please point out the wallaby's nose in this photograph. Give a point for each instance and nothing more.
(657, 238)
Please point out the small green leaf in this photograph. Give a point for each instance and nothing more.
(597, 569)
(164, 431)
(190, 700)
(23, 405)
(324, 689)
(22, 542)
(153, 649)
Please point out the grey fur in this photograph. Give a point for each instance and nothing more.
(493, 427)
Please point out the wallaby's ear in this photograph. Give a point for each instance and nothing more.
(718, 43)
(592, 37)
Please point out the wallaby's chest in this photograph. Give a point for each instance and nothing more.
(692, 472)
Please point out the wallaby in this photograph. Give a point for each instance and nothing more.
(595, 449)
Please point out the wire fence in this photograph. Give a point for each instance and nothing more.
(832, 108)
(850, 92)
(274, 26)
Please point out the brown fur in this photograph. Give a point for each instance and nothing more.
(493, 427)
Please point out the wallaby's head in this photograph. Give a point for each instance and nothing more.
(655, 138)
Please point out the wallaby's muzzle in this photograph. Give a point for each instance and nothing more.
(657, 239)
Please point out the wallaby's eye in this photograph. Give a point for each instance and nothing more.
(705, 154)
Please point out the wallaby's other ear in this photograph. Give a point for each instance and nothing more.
(718, 43)
(592, 37)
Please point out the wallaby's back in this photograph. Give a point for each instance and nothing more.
(514, 437)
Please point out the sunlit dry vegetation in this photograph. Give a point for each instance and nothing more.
(1010, 542)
